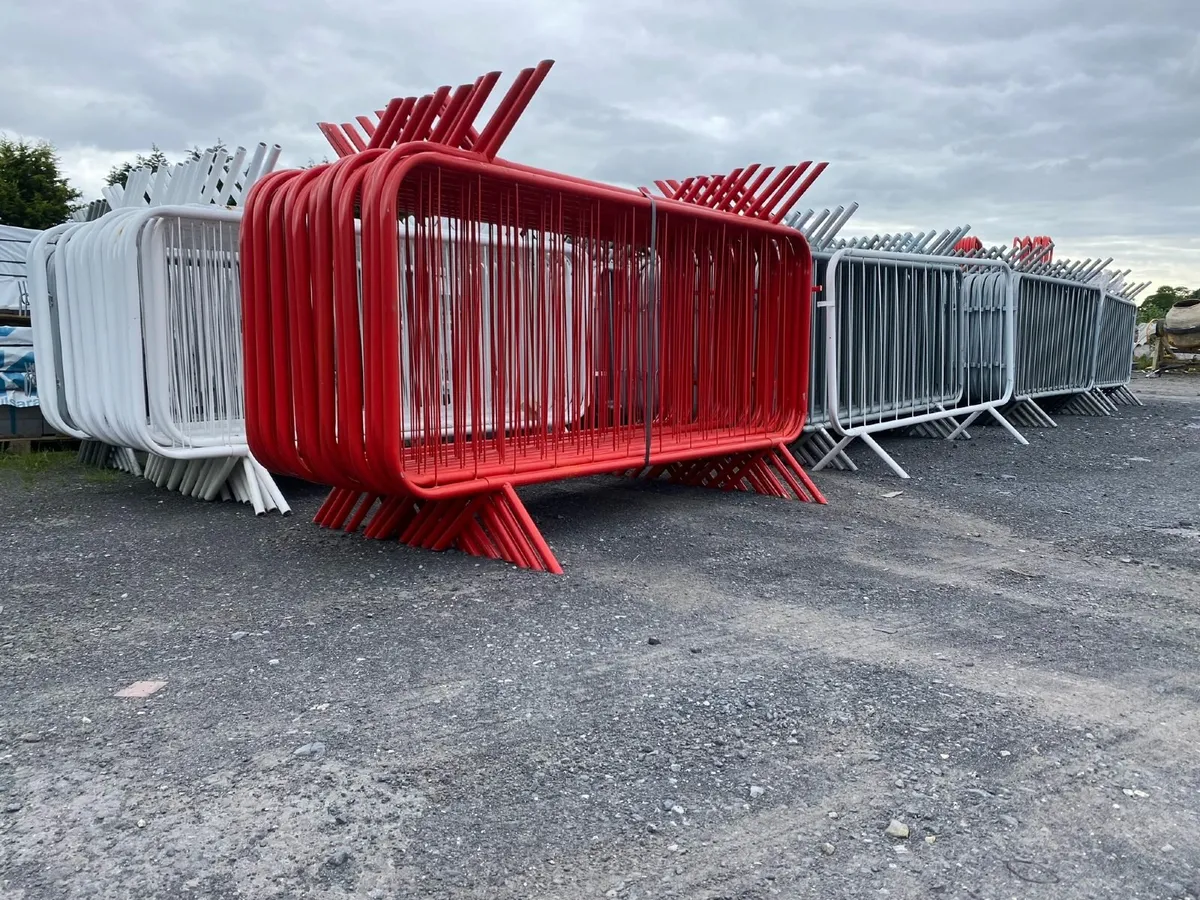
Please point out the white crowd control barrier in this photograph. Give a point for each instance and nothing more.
(44, 314)
(914, 338)
(141, 316)
(816, 443)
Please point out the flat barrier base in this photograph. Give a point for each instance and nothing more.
(773, 472)
(492, 525)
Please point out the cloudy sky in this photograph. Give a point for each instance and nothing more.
(1079, 119)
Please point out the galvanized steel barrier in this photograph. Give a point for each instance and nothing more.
(428, 327)
(1058, 318)
(1115, 341)
(818, 446)
(912, 339)
(1070, 342)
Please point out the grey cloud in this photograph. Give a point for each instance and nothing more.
(1075, 118)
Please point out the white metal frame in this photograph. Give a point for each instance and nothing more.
(865, 430)
(120, 330)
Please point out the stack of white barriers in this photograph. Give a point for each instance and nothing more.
(136, 313)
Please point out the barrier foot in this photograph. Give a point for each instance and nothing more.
(493, 525)
(813, 446)
(100, 455)
(1086, 403)
(1008, 426)
(833, 452)
(1104, 401)
(773, 472)
(1122, 394)
(947, 428)
(962, 426)
(883, 454)
(239, 478)
(1027, 412)
(870, 442)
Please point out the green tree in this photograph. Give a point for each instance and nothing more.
(195, 153)
(155, 159)
(33, 192)
(1157, 304)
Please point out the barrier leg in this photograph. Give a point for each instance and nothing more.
(1122, 394)
(1086, 404)
(773, 472)
(1105, 401)
(493, 525)
(326, 516)
(833, 453)
(1008, 426)
(946, 428)
(883, 454)
(811, 447)
(1027, 412)
(962, 427)
(842, 460)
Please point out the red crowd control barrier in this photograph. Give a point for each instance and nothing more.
(1040, 246)
(969, 244)
(428, 327)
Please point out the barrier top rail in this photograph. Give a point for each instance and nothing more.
(931, 242)
(745, 191)
(821, 229)
(444, 117)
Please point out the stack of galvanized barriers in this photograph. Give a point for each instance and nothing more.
(925, 333)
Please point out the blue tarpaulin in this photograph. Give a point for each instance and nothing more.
(18, 379)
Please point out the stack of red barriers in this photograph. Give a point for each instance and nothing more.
(428, 327)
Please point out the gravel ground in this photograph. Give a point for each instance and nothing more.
(724, 697)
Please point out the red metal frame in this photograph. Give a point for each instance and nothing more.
(492, 524)
(746, 192)
(467, 356)
(743, 192)
(773, 472)
(443, 117)
(1029, 246)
